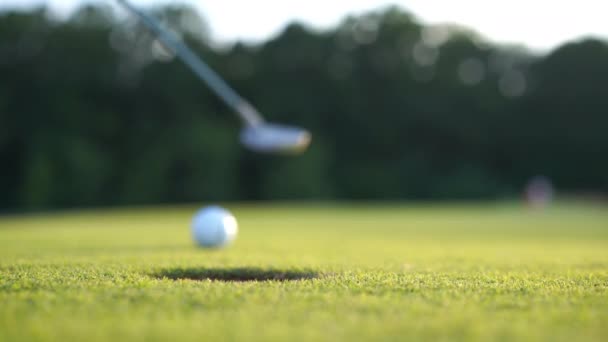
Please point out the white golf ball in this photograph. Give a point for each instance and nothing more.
(214, 226)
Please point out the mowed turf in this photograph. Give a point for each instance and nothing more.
(377, 272)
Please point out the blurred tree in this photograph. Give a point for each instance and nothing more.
(93, 15)
(398, 110)
(567, 117)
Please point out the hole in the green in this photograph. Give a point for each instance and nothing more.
(239, 274)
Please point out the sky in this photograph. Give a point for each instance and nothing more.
(538, 24)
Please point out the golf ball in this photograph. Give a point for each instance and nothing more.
(213, 226)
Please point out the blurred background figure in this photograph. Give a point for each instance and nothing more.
(539, 192)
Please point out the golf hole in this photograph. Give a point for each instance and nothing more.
(241, 274)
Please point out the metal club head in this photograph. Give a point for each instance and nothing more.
(274, 138)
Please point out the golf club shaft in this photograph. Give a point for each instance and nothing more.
(246, 111)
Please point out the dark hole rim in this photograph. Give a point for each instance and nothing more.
(235, 274)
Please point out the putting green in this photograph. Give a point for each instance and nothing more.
(309, 272)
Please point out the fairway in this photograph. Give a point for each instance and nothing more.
(309, 272)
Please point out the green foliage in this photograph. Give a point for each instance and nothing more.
(94, 112)
(350, 272)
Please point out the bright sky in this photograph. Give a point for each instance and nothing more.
(539, 24)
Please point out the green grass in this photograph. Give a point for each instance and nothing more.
(449, 272)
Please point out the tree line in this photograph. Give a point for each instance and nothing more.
(94, 112)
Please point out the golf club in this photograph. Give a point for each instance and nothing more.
(257, 134)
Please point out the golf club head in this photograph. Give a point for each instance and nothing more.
(273, 138)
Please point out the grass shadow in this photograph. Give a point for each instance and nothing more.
(239, 274)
